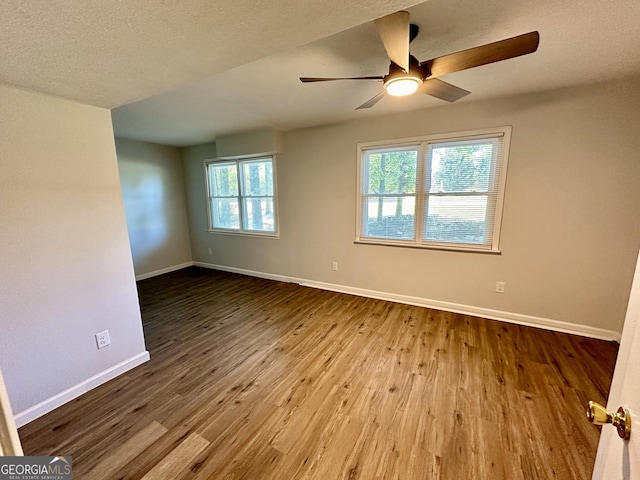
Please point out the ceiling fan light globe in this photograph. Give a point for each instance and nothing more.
(401, 86)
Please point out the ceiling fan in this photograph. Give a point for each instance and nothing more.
(407, 75)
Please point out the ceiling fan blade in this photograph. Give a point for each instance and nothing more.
(482, 55)
(442, 90)
(371, 102)
(321, 79)
(394, 34)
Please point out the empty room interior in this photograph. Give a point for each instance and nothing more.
(233, 246)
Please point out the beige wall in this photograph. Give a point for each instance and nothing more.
(152, 183)
(66, 270)
(570, 228)
(254, 142)
(196, 189)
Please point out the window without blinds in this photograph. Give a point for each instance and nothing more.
(444, 191)
(242, 196)
(390, 193)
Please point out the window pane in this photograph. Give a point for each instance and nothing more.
(390, 171)
(223, 180)
(257, 177)
(459, 219)
(226, 213)
(437, 191)
(390, 217)
(259, 214)
(465, 167)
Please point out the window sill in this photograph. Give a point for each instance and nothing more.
(236, 233)
(452, 248)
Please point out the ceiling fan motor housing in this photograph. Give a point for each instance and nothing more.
(398, 82)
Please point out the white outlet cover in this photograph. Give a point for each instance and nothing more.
(103, 339)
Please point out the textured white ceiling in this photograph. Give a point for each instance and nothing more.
(582, 41)
(187, 71)
(112, 52)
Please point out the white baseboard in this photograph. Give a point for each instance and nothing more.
(509, 317)
(251, 273)
(69, 394)
(155, 273)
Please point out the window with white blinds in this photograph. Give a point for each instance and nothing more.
(441, 191)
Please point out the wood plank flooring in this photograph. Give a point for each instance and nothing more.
(255, 379)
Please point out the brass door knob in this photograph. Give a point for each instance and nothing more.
(598, 415)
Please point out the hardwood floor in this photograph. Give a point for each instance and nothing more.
(255, 379)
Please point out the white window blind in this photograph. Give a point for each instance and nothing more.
(444, 191)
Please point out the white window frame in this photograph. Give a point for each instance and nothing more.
(242, 231)
(422, 144)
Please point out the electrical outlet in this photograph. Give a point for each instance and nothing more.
(209, 251)
(334, 266)
(102, 339)
(499, 287)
